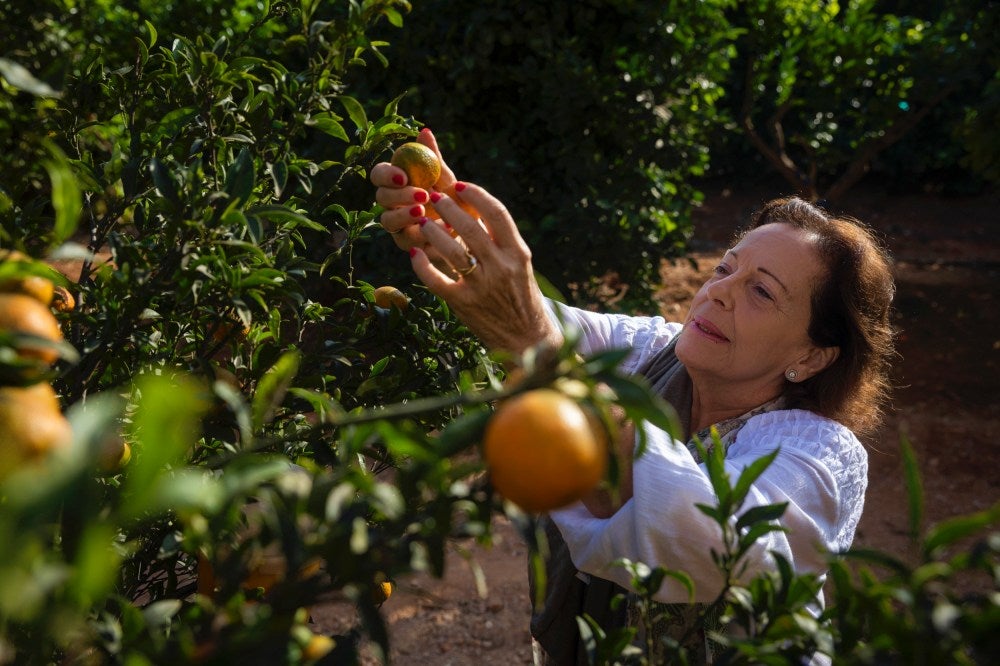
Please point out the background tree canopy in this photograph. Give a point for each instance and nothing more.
(596, 122)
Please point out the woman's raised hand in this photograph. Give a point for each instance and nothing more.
(480, 267)
(489, 282)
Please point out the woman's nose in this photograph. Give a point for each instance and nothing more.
(721, 291)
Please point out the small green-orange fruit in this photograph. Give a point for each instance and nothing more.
(388, 296)
(420, 163)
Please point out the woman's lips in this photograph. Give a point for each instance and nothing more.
(708, 329)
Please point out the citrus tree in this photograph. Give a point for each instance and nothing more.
(203, 185)
(823, 92)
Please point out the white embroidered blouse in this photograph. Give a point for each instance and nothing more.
(821, 472)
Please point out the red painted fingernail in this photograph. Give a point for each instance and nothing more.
(416, 211)
(413, 251)
(424, 221)
(426, 130)
(420, 196)
(435, 197)
(459, 186)
(399, 179)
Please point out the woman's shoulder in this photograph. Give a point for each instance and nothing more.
(805, 431)
(642, 334)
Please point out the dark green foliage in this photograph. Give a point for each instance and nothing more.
(590, 120)
(826, 91)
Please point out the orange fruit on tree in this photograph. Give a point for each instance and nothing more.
(32, 425)
(543, 451)
(318, 647)
(266, 568)
(24, 314)
(388, 296)
(113, 455)
(62, 300)
(383, 589)
(420, 163)
(30, 285)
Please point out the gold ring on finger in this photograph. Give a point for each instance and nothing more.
(473, 265)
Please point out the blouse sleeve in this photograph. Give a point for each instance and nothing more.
(820, 471)
(598, 331)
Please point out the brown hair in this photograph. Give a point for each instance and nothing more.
(851, 309)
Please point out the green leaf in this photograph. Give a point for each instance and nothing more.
(715, 465)
(955, 529)
(240, 178)
(750, 474)
(165, 426)
(66, 198)
(279, 176)
(273, 386)
(329, 125)
(464, 432)
(880, 558)
(21, 78)
(173, 123)
(761, 514)
(914, 488)
(356, 112)
(152, 32)
(284, 214)
(163, 181)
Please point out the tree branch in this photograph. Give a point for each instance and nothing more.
(857, 169)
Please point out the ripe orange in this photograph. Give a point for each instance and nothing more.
(318, 647)
(388, 296)
(24, 314)
(114, 454)
(382, 590)
(543, 451)
(266, 567)
(30, 285)
(32, 425)
(62, 300)
(420, 163)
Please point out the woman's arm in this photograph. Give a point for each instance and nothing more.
(661, 526)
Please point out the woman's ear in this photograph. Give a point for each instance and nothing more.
(815, 361)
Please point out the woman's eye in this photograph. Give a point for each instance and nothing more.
(760, 291)
(722, 269)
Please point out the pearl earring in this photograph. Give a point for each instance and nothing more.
(791, 374)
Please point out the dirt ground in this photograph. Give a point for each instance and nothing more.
(947, 253)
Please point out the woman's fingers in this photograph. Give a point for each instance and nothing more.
(442, 244)
(492, 237)
(397, 219)
(447, 177)
(494, 214)
(385, 175)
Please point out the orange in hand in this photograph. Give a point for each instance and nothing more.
(420, 163)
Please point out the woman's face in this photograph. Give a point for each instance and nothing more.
(748, 323)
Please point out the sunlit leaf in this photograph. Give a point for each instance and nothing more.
(273, 386)
(20, 77)
(66, 198)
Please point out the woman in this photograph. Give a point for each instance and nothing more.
(786, 347)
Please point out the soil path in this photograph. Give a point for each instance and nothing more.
(946, 403)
